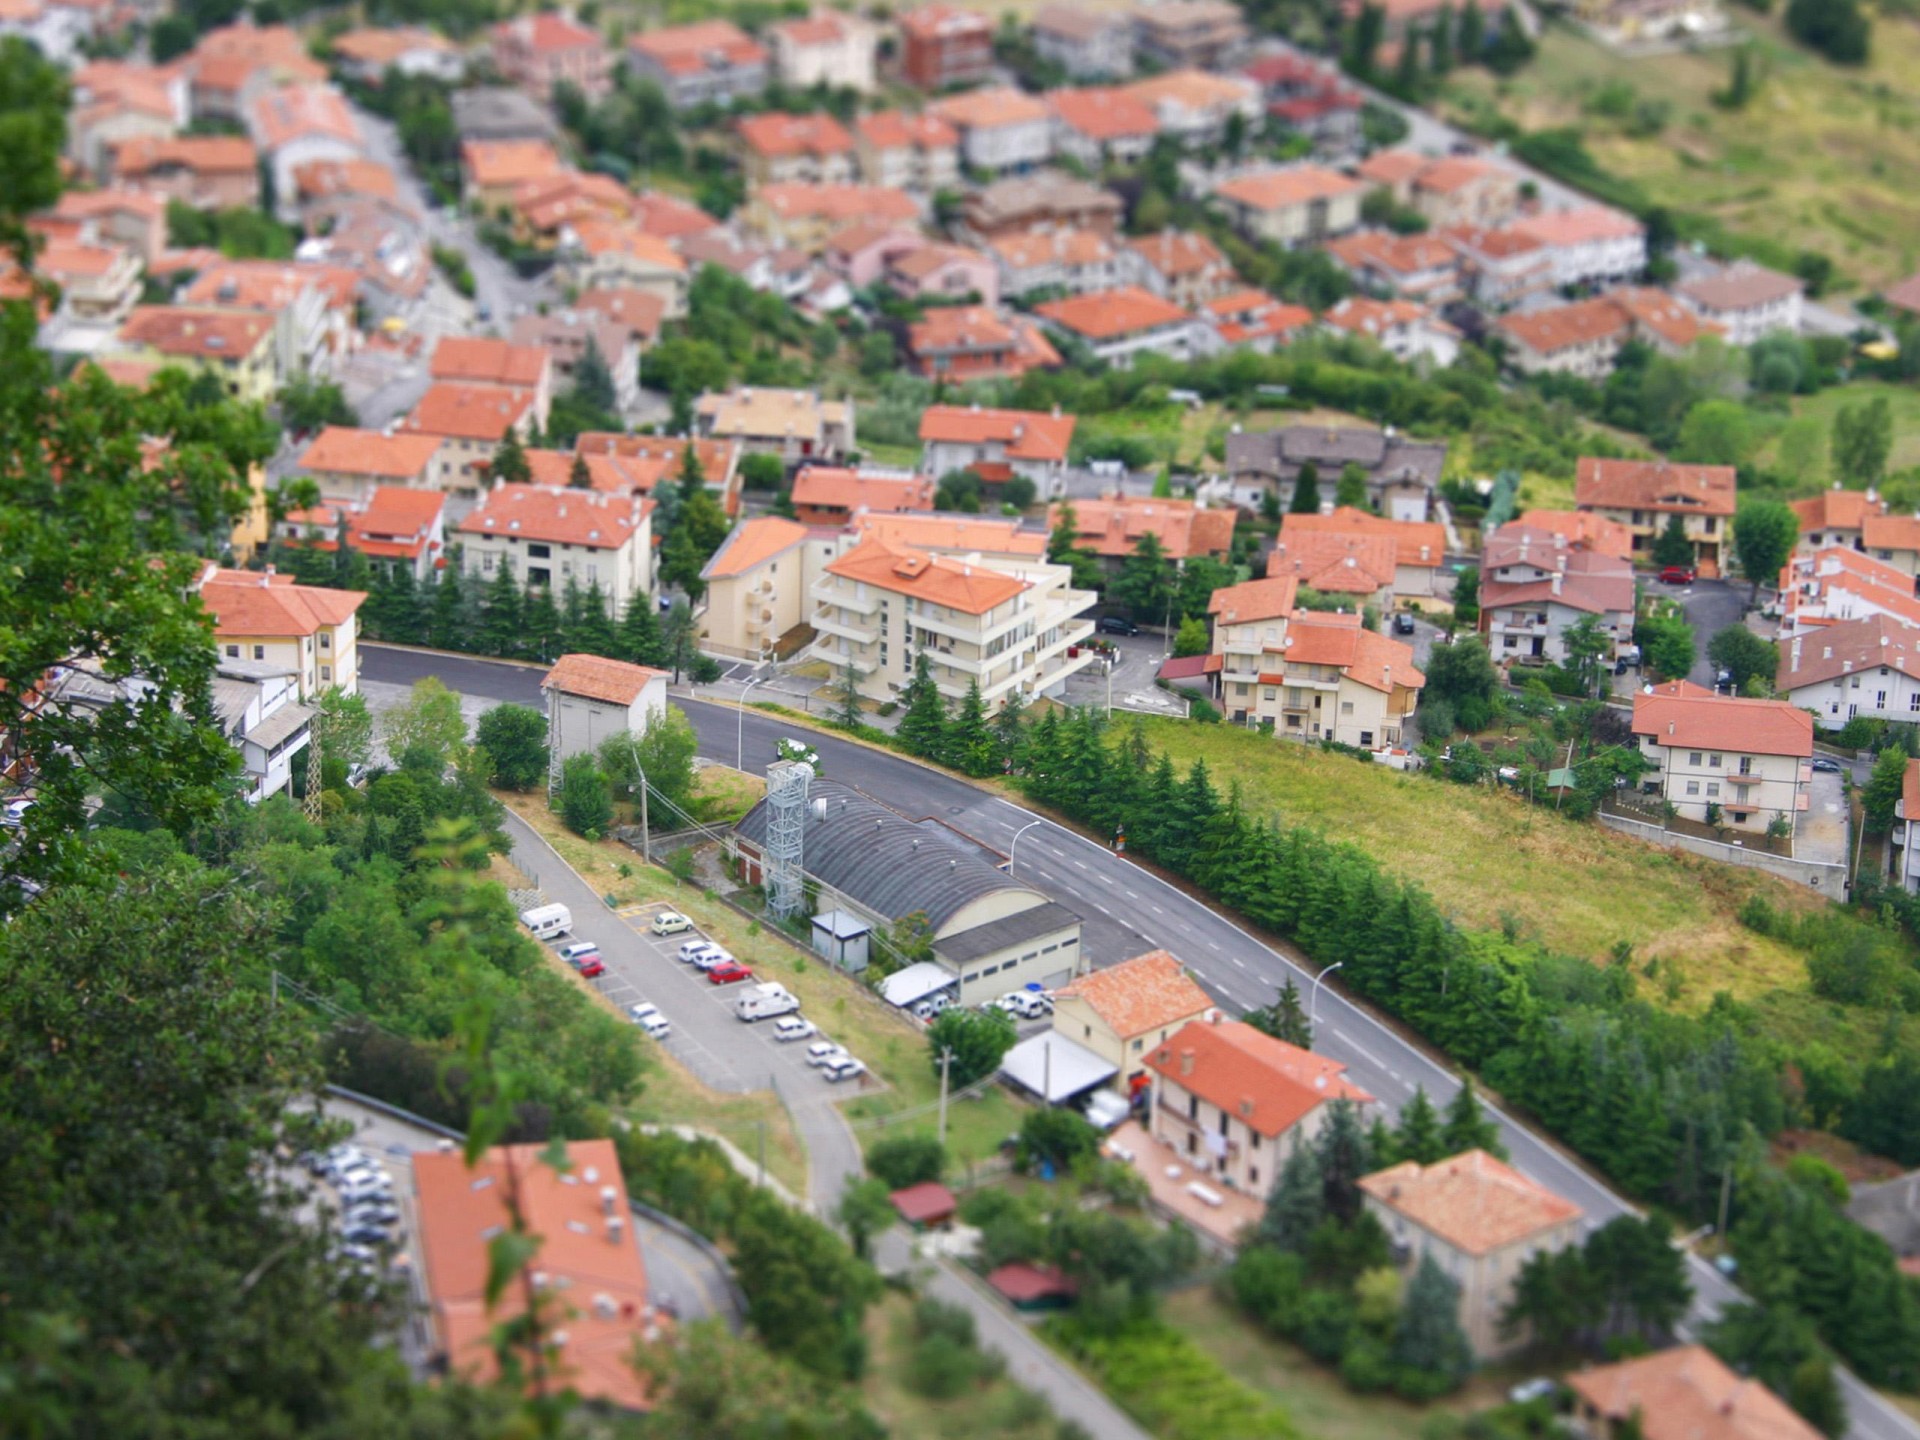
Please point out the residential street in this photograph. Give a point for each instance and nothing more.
(1128, 910)
(1710, 606)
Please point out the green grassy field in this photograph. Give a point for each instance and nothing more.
(1821, 158)
(1814, 414)
(1489, 858)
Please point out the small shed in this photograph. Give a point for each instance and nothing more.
(840, 937)
(1033, 1287)
(926, 1206)
(916, 982)
(590, 698)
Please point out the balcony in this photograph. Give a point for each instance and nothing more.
(828, 621)
(829, 591)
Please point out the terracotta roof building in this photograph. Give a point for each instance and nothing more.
(1116, 325)
(1580, 339)
(975, 342)
(928, 1205)
(1481, 1221)
(495, 168)
(941, 47)
(1836, 517)
(208, 172)
(1292, 205)
(588, 1254)
(779, 147)
(1001, 129)
(1183, 266)
(1746, 300)
(1225, 1095)
(1111, 527)
(758, 587)
(1868, 667)
(1123, 1011)
(1742, 761)
(560, 537)
(1839, 583)
(394, 527)
(907, 151)
(1099, 124)
(542, 51)
(1685, 1393)
(1582, 530)
(1044, 200)
(1402, 474)
(1642, 494)
(235, 346)
(829, 494)
(995, 444)
(710, 60)
(310, 631)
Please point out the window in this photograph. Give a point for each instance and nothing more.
(1366, 738)
(1913, 702)
(1856, 682)
(538, 552)
(1270, 692)
(1694, 758)
(1346, 707)
(1713, 787)
(1512, 641)
(1713, 762)
(1137, 1044)
(1253, 1171)
(1693, 787)
(1193, 1107)
(259, 652)
(1746, 765)
(326, 673)
(1879, 699)
(1089, 1030)
(233, 653)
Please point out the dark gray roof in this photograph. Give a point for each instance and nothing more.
(283, 724)
(970, 945)
(1385, 458)
(884, 861)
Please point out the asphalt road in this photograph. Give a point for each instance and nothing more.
(720, 1050)
(1710, 606)
(1127, 910)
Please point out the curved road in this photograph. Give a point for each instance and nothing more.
(1127, 910)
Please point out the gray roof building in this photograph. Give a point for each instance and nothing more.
(1391, 461)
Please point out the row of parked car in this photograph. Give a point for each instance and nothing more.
(369, 1216)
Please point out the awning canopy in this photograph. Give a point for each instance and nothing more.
(916, 982)
(1055, 1068)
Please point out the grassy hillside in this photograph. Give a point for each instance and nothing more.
(1491, 860)
(1820, 159)
(1814, 414)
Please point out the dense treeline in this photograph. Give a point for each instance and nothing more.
(1658, 1101)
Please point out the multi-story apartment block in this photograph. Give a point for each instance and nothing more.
(1201, 34)
(777, 147)
(1534, 586)
(1183, 266)
(1746, 300)
(1867, 667)
(1292, 205)
(1001, 130)
(796, 425)
(996, 444)
(309, 631)
(830, 47)
(1643, 494)
(1743, 762)
(550, 536)
(235, 346)
(541, 51)
(692, 64)
(1088, 44)
(907, 151)
(1007, 625)
(941, 47)
(1116, 325)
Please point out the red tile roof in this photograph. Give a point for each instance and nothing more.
(1113, 525)
(1266, 1084)
(596, 1271)
(493, 164)
(1026, 434)
(685, 49)
(206, 334)
(795, 199)
(670, 217)
(547, 33)
(303, 112)
(1177, 252)
(199, 154)
(598, 678)
(1103, 113)
(927, 1203)
(1891, 532)
(338, 450)
(1719, 722)
(245, 604)
(1653, 485)
(753, 542)
(1838, 509)
(1686, 1393)
(1741, 286)
(1848, 647)
(970, 589)
(1333, 562)
(1254, 600)
(475, 360)
(1561, 327)
(1292, 185)
(1579, 226)
(989, 108)
(1110, 314)
(1148, 992)
(846, 488)
(1362, 656)
(1583, 529)
(468, 412)
(1415, 542)
(777, 135)
(903, 129)
(558, 515)
(1022, 1284)
(1472, 1201)
(270, 284)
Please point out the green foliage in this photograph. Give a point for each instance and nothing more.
(1764, 534)
(1781, 1349)
(1627, 1283)
(1430, 1351)
(1744, 656)
(1170, 1385)
(664, 751)
(586, 799)
(1671, 546)
(1716, 432)
(977, 1039)
(1862, 440)
(308, 404)
(427, 727)
(1666, 644)
(1418, 1135)
(344, 727)
(968, 742)
(923, 727)
(1885, 1116)
(1468, 1127)
(1838, 29)
(1058, 1137)
(1882, 792)
(515, 739)
(1306, 491)
(1192, 637)
(238, 234)
(711, 1383)
(1285, 1019)
(903, 1160)
(947, 1360)
(865, 1210)
(1145, 583)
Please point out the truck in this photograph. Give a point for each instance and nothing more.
(763, 1002)
(547, 921)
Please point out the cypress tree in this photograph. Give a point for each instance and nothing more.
(1468, 1127)
(403, 617)
(593, 634)
(1010, 729)
(1418, 1135)
(923, 726)
(545, 630)
(502, 617)
(1297, 1204)
(968, 743)
(445, 623)
(1342, 1147)
(1428, 1339)
(510, 461)
(639, 641)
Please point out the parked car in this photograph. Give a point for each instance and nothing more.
(365, 1235)
(1677, 575)
(844, 1068)
(1403, 624)
(1527, 1391)
(373, 1212)
(578, 952)
(824, 1052)
(671, 922)
(712, 958)
(693, 949)
(15, 814)
(1826, 765)
(648, 1018)
(728, 974)
(1116, 625)
(794, 1027)
(593, 967)
(1025, 1004)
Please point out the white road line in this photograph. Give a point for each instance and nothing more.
(1133, 895)
(1238, 961)
(1104, 879)
(1358, 1048)
(1155, 908)
(1212, 946)
(1081, 863)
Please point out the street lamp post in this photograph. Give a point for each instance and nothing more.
(740, 723)
(1014, 844)
(1313, 996)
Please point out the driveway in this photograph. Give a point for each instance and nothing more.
(1709, 606)
(1820, 837)
(720, 1050)
(1130, 683)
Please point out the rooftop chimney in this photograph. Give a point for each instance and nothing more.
(1186, 1062)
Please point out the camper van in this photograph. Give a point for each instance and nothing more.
(763, 1002)
(547, 921)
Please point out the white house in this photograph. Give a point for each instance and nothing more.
(1534, 585)
(551, 536)
(1001, 130)
(1867, 667)
(1746, 300)
(590, 697)
(1742, 760)
(996, 444)
(1117, 325)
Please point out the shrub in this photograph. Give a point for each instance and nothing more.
(904, 1160)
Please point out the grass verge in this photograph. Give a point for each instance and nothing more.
(990, 1410)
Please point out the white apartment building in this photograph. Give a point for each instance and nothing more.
(546, 535)
(998, 444)
(831, 47)
(1006, 623)
(1744, 758)
(1748, 301)
(1001, 130)
(1867, 667)
(308, 631)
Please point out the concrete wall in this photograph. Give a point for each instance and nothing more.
(1829, 880)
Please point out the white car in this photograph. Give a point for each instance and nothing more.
(792, 1027)
(15, 814)
(712, 957)
(648, 1017)
(576, 954)
(825, 1052)
(844, 1068)
(671, 922)
(691, 950)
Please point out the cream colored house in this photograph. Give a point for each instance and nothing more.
(309, 631)
(467, 424)
(1481, 1221)
(1747, 759)
(1126, 1010)
(1006, 624)
(1293, 205)
(796, 425)
(1682, 1393)
(349, 464)
(1310, 675)
(590, 697)
(758, 587)
(829, 47)
(237, 347)
(1642, 494)
(1232, 1100)
(546, 535)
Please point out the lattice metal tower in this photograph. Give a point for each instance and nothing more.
(787, 784)
(553, 745)
(310, 802)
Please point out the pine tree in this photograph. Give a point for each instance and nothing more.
(1290, 1017)
(679, 638)
(573, 614)
(638, 641)
(1010, 729)
(924, 724)
(1441, 41)
(1297, 1205)
(969, 744)
(502, 617)
(693, 475)
(578, 476)
(1306, 491)
(403, 616)
(1468, 1127)
(1418, 1135)
(846, 693)
(1066, 529)
(1473, 33)
(593, 379)
(545, 629)
(1342, 1148)
(1428, 1339)
(1382, 1148)
(593, 634)
(444, 628)
(510, 461)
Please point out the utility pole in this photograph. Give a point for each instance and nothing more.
(646, 839)
(946, 1064)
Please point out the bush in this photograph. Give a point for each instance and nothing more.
(586, 799)
(1059, 1137)
(905, 1160)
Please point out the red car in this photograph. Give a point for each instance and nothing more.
(1677, 575)
(594, 968)
(729, 973)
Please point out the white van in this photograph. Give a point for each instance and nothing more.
(763, 1002)
(547, 921)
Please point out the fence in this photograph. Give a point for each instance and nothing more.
(1829, 879)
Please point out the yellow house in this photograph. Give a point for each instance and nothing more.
(311, 631)
(234, 345)
(1125, 1011)
(758, 588)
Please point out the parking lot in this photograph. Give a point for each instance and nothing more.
(707, 1037)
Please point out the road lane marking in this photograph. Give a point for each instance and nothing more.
(1081, 863)
(1155, 908)
(1133, 895)
(1359, 1049)
(1238, 961)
